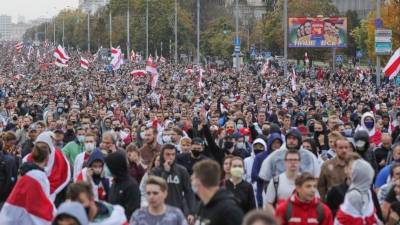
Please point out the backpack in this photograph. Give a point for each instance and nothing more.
(320, 212)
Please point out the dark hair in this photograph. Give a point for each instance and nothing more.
(208, 172)
(302, 178)
(292, 152)
(40, 152)
(394, 166)
(75, 189)
(159, 181)
(259, 215)
(314, 148)
(168, 146)
(132, 148)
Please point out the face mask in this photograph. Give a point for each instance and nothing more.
(369, 124)
(256, 151)
(26, 127)
(325, 119)
(196, 153)
(240, 145)
(194, 189)
(246, 138)
(230, 131)
(237, 172)
(228, 144)
(81, 138)
(123, 135)
(348, 132)
(142, 135)
(97, 171)
(89, 147)
(166, 139)
(239, 126)
(360, 144)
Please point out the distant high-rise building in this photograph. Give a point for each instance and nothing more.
(92, 5)
(362, 7)
(5, 27)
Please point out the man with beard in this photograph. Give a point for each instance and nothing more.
(150, 147)
(332, 170)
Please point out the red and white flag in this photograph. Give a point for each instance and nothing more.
(189, 71)
(293, 80)
(138, 73)
(265, 67)
(392, 68)
(200, 84)
(162, 59)
(19, 46)
(151, 67)
(61, 57)
(30, 52)
(84, 63)
(117, 58)
(29, 202)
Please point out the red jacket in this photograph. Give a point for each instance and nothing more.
(303, 213)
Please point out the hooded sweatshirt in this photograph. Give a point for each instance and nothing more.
(366, 153)
(124, 189)
(75, 210)
(358, 207)
(179, 186)
(374, 134)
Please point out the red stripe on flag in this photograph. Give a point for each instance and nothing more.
(28, 194)
(393, 67)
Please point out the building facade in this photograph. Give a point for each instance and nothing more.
(5, 27)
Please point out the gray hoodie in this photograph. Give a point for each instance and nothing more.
(75, 210)
(362, 176)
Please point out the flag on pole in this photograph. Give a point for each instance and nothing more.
(151, 67)
(306, 60)
(293, 80)
(133, 56)
(265, 67)
(117, 58)
(19, 46)
(30, 52)
(84, 63)
(200, 84)
(61, 57)
(392, 68)
(138, 73)
(162, 59)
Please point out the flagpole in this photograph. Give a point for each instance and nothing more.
(176, 32)
(128, 41)
(54, 32)
(63, 31)
(147, 29)
(110, 21)
(198, 33)
(378, 59)
(285, 27)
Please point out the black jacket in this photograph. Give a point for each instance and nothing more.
(211, 149)
(26, 147)
(125, 190)
(244, 194)
(180, 193)
(8, 175)
(221, 209)
(186, 160)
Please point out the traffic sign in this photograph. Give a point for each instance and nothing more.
(383, 41)
(236, 41)
(267, 54)
(339, 58)
(237, 48)
(378, 23)
(253, 53)
(359, 54)
(397, 80)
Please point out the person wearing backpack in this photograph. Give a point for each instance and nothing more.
(303, 207)
(281, 187)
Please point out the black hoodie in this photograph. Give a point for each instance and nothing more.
(221, 209)
(179, 186)
(125, 190)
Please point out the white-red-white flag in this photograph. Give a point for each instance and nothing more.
(138, 73)
(61, 57)
(293, 80)
(29, 202)
(30, 50)
(84, 63)
(151, 67)
(392, 68)
(19, 46)
(162, 59)
(200, 84)
(189, 71)
(265, 67)
(117, 58)
(153, 80)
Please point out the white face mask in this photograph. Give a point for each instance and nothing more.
(166, 139)
(240, 145)
(89, 147)
(360, 144)
(142, 135)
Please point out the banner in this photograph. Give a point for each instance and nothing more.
(317, 32)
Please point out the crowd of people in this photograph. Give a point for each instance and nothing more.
(97, 147)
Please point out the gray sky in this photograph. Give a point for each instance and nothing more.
(32, 9)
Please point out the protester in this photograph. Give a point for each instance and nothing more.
(158, 212)
(214, 201)
(124, 190)
(303, 206)
(71, 213)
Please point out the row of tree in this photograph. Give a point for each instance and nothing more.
(217, 27)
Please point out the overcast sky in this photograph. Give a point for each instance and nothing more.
(32, 9)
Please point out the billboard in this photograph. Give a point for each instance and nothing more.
(317, 32)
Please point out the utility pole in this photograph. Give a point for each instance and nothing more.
(128, 39)
(54, 32)
(147, 29)
(198, 33)
(88, 31)
(285, 27)
(237, 34)
(176, 32)
(63, 31)
(110, 21)
(378, 58)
